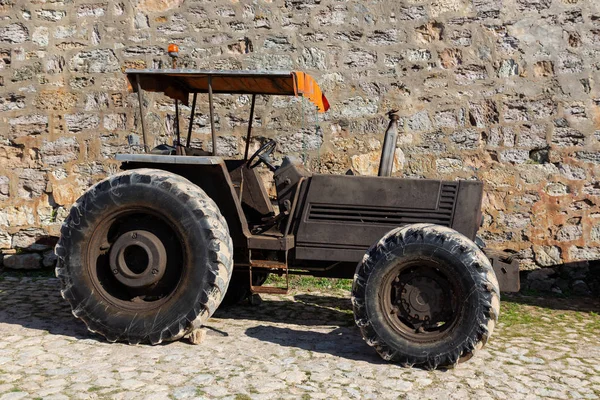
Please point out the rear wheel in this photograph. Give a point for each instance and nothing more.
(425, 295)
(144, 256)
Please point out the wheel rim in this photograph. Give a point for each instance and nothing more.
(136, 258)
(420, 301)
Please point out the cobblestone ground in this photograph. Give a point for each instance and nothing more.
(297, 346)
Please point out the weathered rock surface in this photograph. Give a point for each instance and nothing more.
(505, 92)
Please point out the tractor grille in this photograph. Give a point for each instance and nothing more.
(347, 214)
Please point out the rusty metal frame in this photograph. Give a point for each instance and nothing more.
(141, 101)
(212, 118)
(249, 127)
(189, 135)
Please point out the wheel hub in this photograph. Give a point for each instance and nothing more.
(138, 259)
(422, 299)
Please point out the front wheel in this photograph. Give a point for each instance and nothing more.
(425, 295)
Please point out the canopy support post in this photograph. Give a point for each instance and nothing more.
(177, 123)
(189, 136)
(212, 119)
(141, 101)
(249, 127)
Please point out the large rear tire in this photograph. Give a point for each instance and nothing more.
(426, 296)
(144, 256)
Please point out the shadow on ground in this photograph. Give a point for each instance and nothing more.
(36, 303)
(319, 323)
(304, 309)
(344, 342)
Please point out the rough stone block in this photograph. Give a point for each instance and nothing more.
(514, 156)
(158, 5)
(569, 63)
(40, 36)
(356, 58)
(508, 68)
(81, 122)
(450, 58)
(430, 32)
(50, 15)
(113, 122)
(384, 38)
(532, 136)
(29, 239)
(56, 100)
(547, 255)
(568, 233)
(16, 216)
(588, 156)
(446, 119)
(417, 55)
(412, 13)
(448, 165)
(32, 183)
(483, 114)
(368, 163)
(91, 10)
(28, 125)
(468, 139)
(470, 73)
(4, 187)
(303, 140)
(533, 5)
(14, 33)
(572, 172)
(12, 102)
(27, 72)
(584, 253)
(5, 240)
(22, 261)
(59, 151)
(568, 137)
(356, 107)
(543, 69)
(515, 111)
(95, 61)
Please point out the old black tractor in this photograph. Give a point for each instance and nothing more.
(147, 255)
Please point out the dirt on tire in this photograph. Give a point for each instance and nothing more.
(200, 258)
(470, 275)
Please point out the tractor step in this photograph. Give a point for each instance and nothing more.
(274, 266)
(269, 289)
(268, 264)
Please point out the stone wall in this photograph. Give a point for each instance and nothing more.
(506, 91)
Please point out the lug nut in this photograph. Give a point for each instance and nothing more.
(134, 235)
(154, 271)
(115, 271)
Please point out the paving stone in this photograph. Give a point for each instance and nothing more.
(284, 348)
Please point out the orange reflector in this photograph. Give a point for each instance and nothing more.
(173, 48)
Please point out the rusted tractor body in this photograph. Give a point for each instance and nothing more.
(158, 246)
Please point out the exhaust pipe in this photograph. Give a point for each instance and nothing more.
(388, 151)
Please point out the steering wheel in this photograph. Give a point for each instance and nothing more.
(263, 154)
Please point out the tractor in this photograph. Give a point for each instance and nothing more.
(147, 255)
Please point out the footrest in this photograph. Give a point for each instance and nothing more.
(269, 290)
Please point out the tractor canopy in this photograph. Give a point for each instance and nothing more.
(179, 83)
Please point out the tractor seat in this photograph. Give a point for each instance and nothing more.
(165, 149)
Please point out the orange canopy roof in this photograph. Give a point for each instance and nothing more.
(179, 83)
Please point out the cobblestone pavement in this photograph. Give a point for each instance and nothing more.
(297, 346)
